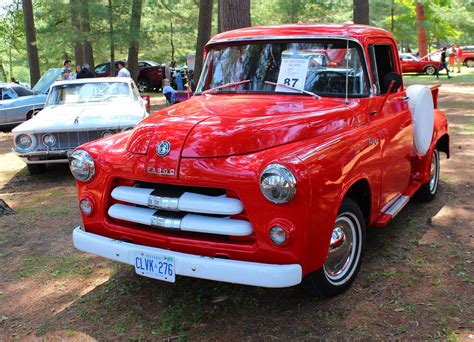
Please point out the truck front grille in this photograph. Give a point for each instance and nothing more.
(176, 208)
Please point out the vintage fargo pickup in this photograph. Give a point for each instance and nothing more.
(297, 139)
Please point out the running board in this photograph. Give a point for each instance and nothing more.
(398, 205)
(392, 210)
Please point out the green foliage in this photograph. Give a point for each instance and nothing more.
(447, 21)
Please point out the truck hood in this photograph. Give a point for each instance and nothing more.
(226, 125)
(77, 117)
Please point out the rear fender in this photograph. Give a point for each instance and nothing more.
(422, 164)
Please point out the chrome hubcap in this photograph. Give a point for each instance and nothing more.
(434, 172)
(341, 249)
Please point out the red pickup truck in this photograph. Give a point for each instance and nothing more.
(468, 56)
(271, 173)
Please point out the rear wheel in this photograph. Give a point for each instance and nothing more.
(35, 169)
(143, 85)
(430, 70)
(32, 113)
(344, 255)
(427, 192)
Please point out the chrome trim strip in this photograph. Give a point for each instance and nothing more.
(164, 203)
(169, 222)
(33, 106)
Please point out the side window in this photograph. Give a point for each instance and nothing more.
(142, 64)
(135, 93)
(381, 62)
(8, 94)
(101, 69)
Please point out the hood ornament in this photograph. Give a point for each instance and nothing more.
(76, 121)
(163, 148)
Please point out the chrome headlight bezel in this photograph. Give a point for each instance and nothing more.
(82, 165)
(277, 184)
(22, 147)
(48, 136)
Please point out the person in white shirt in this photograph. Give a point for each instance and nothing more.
(123, 72)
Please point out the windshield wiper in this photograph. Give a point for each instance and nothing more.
(232, 84)
(316, 96)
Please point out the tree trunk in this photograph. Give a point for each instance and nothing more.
(204, 34)
(76, 25)
(234, 14)
(31, 47)
(112, 45)
(420, 26)
(86, 28)
(134, 38)
(361, 12)
(2, 72)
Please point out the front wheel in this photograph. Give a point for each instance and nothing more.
(427, 192)
(143, 85)
(430, 70)
(35, 169)
(344, 256)
(470, 63)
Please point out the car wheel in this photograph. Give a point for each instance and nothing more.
(143, 85)
(427, 192)
(430, 70)
(32, 113)
(344, 256)
(35, 169)
(470, 63)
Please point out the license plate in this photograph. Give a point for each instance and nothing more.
(155, 266)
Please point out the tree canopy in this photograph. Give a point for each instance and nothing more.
(169, 27)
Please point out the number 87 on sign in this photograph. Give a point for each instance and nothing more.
(293, 74)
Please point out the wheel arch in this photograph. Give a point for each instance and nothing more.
(359, 190)
(442, 144)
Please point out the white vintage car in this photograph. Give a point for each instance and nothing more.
(77, 112)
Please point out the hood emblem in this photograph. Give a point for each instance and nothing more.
(76, 121)
(163, 148)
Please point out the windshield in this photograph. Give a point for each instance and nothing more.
(88, 92)
(47, 80)
(316, 66)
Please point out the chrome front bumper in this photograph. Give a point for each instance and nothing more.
(231, 271)
(44, 156)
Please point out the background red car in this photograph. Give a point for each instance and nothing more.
(411, 63)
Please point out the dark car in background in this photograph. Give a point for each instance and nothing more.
(150, 74)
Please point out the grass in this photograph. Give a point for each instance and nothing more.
(69, 266)
(466, 76)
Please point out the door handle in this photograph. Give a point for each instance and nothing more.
(406, 98)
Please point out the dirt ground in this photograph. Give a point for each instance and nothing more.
(416, 281)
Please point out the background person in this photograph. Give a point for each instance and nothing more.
(85, 72)
(459, 58)
(443, 63)
(66, 73)
(169, 92)
(452, 57)
(123, 72)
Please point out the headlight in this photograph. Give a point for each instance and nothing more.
(81, 165)
(49, 139)
(25, 141)
(277, 184)
(107, 133)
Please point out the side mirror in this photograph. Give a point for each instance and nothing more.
(395, 78)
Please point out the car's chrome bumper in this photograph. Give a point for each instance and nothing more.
(41, 157)
(231, 271)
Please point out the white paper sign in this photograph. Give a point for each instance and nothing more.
(293, 74)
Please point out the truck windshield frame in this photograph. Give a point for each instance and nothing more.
(319, 65)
